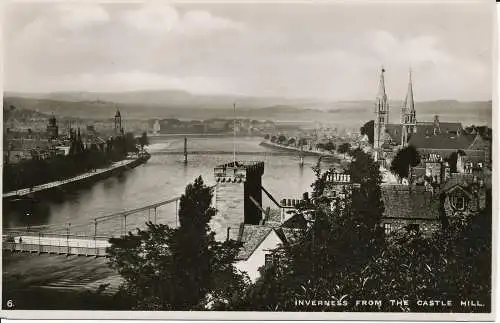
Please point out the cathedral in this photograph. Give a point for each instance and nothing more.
(435, 141)
(453, 177)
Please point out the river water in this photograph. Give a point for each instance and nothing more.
(161, 178)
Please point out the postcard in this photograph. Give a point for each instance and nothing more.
(248, 160)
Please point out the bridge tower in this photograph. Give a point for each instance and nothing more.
(238, 195)
(185, 151)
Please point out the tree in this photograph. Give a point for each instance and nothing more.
(329, 146)
(273, 139)
(182, 268)
(281, 139)
(404, 159)
(367, 129)
(316, 264)
(129, 143)
(267, 136)
(344, 148)
(291, 141)
(453, 264)
(143, 140)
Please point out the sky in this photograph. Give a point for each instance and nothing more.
(325, 50)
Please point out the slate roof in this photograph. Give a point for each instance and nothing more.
(251, 236)
(409, 202)
(394, 131)
(425, 138)
(445, 127)
(421, 140)
(464, 180)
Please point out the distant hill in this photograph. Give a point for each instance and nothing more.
(183, 105)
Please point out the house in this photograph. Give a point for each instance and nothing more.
(258, 242)
(410, 207)
(464, 194)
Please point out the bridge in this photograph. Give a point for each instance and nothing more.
(84, 238)
(222, 152)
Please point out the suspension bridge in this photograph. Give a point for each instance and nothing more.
(89, 238)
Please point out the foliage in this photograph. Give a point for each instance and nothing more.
(452, 264)
(179, 269)
(302, 141)
(36, 171)
(344, 257)
(367, 129)
(404, 159)
(316, 266)
(281, 139)
(267, 136)
(329, 146)
(291, 141)
(143, 140)
(274, 138)
(344, 148)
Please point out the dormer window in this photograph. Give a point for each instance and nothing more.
(458, 202)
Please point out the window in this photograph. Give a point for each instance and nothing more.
(459, 203)
(268, 260)
(387, 228)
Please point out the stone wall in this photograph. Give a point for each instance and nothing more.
(426, 227)
(230, 206)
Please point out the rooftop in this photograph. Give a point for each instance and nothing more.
(409, 202)
(251, 236)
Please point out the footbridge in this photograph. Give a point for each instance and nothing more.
(89, 238)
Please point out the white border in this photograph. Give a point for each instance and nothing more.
(297, 316)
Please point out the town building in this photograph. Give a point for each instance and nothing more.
(431, 139)
(451, 178)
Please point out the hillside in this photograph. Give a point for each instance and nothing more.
(182, 105)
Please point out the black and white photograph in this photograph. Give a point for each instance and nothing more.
(277, 158)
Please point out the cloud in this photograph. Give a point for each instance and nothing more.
(165, 18)
(297, 51)
(76, 16)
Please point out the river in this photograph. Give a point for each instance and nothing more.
(162, 177)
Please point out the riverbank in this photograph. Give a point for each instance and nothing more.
(312, 152)
(97, 174)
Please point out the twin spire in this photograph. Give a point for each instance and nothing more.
(408, 103)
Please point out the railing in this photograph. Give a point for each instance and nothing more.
(33, 242)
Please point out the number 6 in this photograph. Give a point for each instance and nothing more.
(10, 303)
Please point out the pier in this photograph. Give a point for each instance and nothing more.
(97, 174)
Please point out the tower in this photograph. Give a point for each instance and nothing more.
(238, 195)
(381, 110)
(118, 122)
(408, 116)
(52, 128)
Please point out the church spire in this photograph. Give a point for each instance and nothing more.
(381, 110)
(408, 114)
(409, 104)
(381, 95)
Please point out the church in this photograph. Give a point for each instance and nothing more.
(435, 141)
(453, 177)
